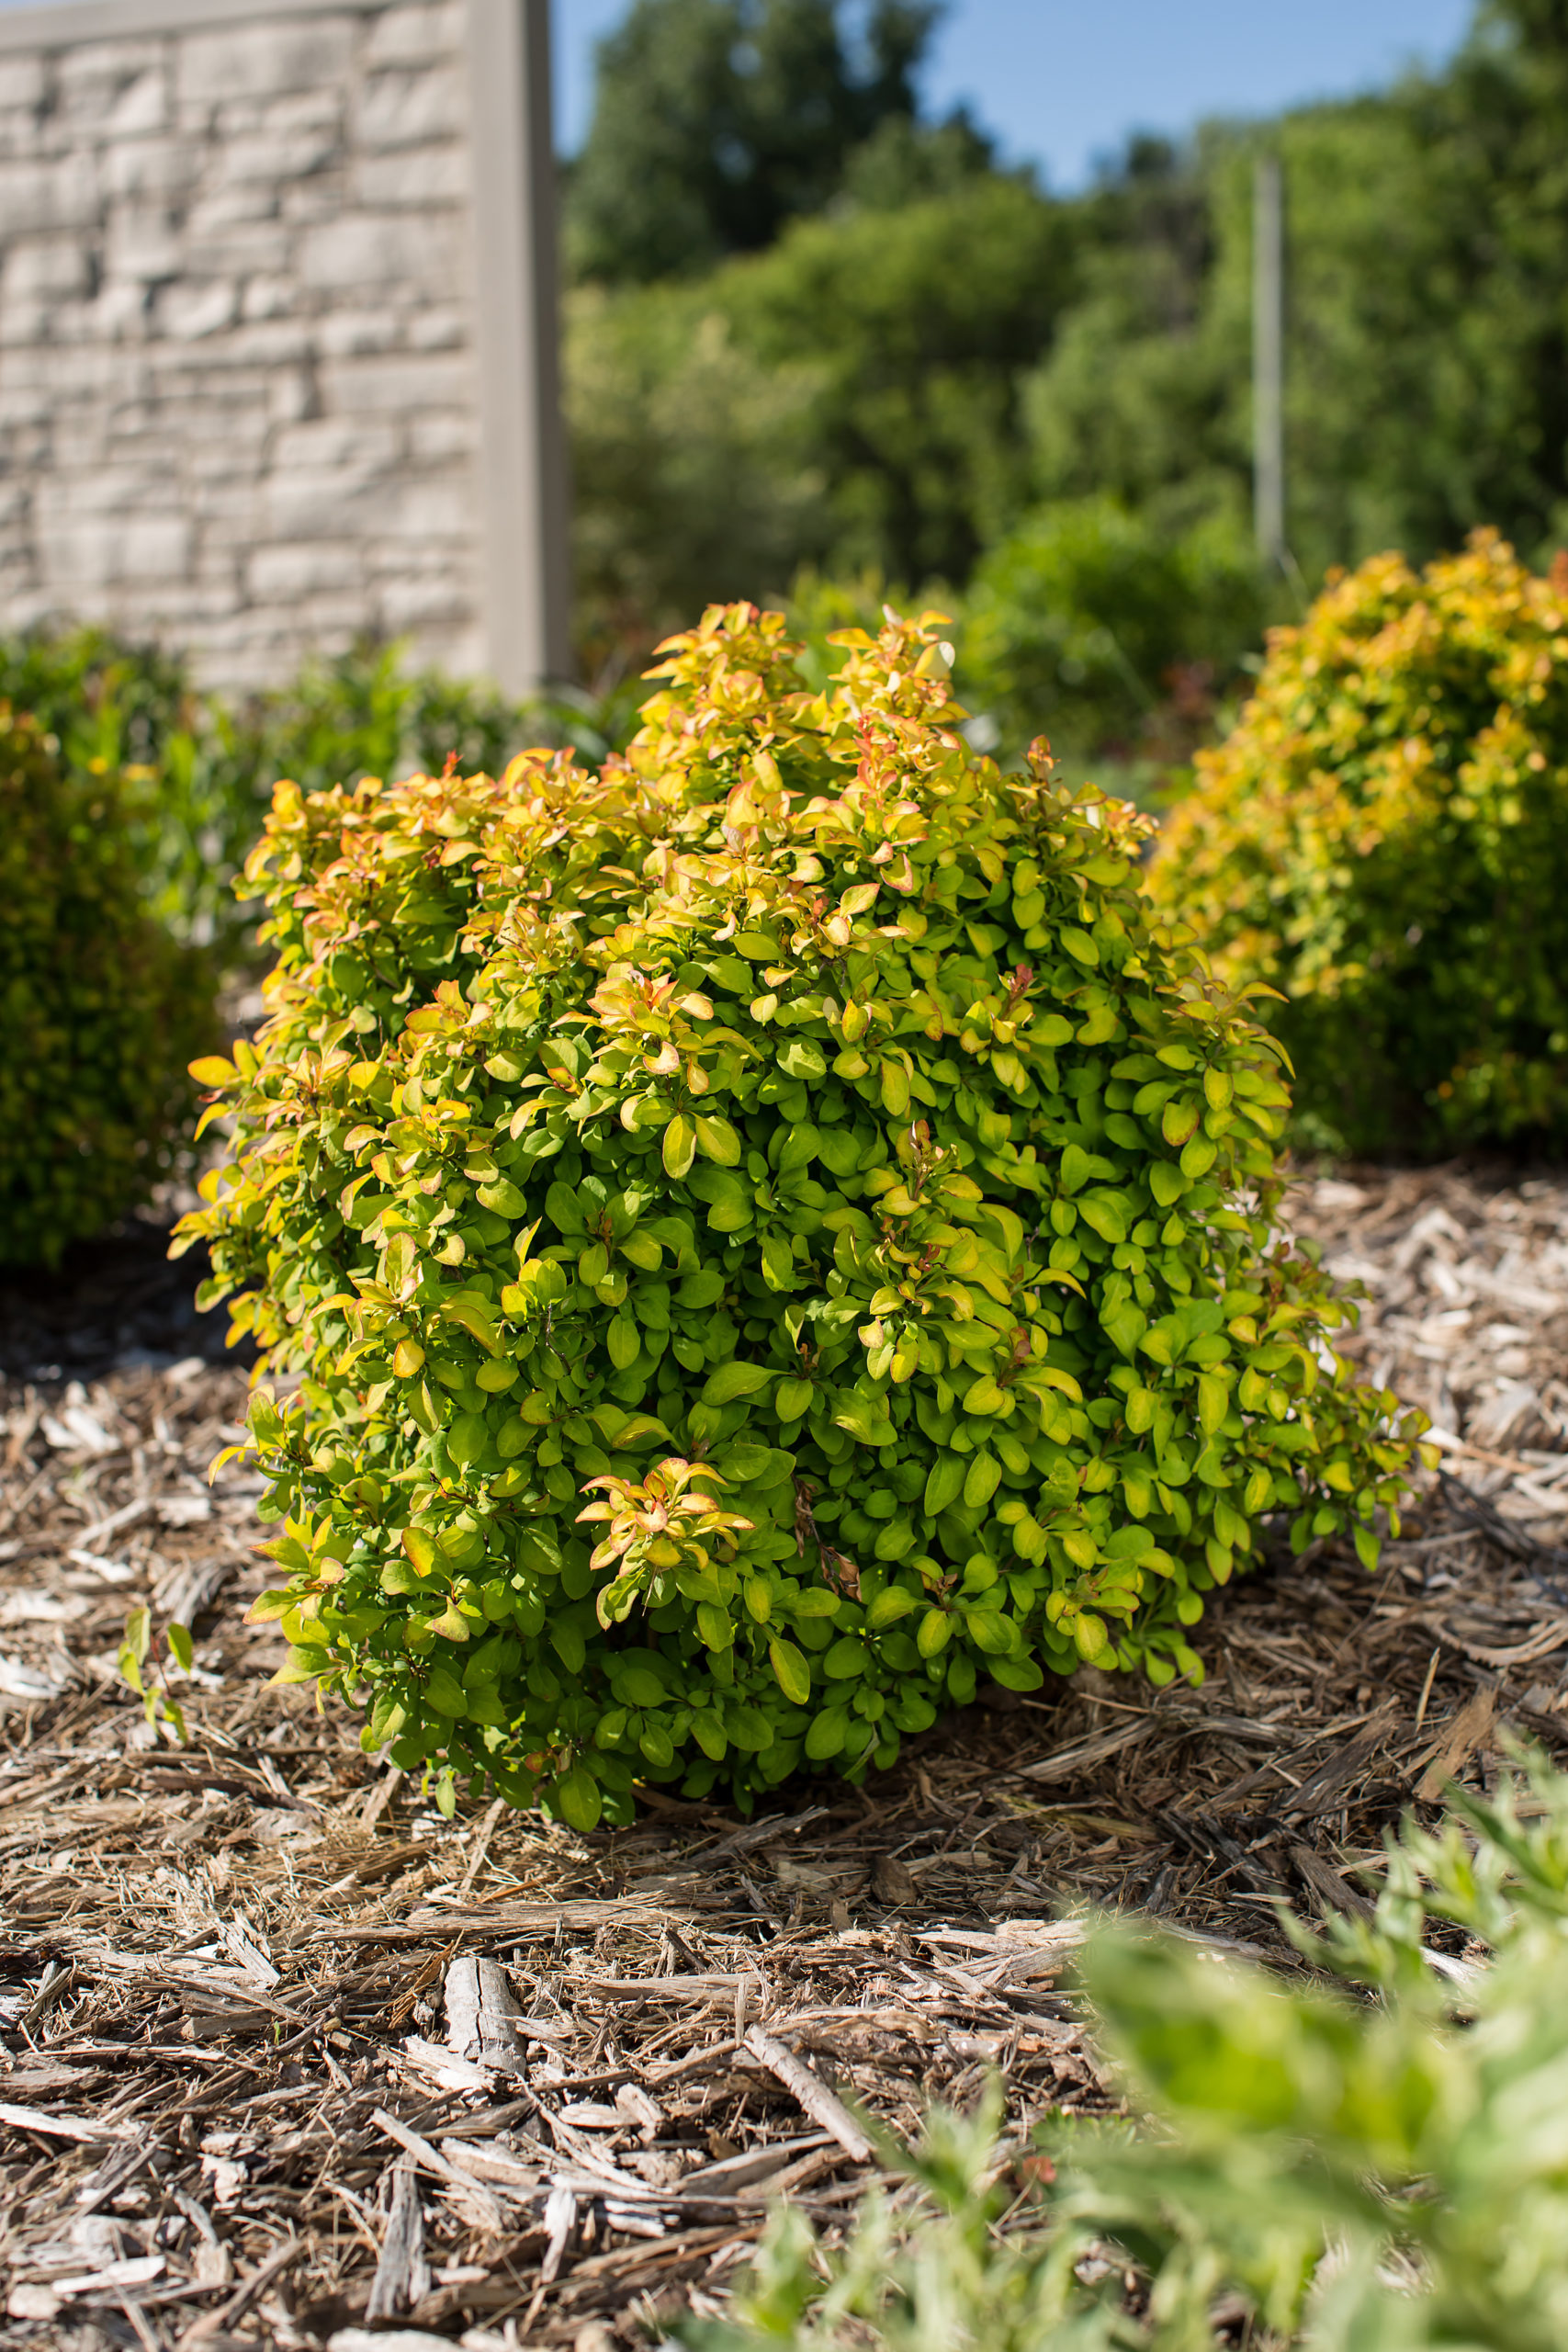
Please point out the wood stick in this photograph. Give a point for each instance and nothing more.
(811, 2092)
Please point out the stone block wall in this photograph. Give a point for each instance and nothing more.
(242, 399)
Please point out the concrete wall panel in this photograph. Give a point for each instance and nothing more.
(262, 354)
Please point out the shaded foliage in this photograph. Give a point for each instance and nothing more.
(100, 1010)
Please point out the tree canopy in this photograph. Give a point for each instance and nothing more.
(860, 343)
(716, 121)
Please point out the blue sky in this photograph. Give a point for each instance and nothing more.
(1062, 82)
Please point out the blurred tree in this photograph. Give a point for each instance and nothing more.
(697, 466)
(940, 352)
(716, 121)
(919, 323)
(850, 397)
(1428, 313)
(1118, 638)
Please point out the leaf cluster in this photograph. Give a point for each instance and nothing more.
(100, 1010)
(799, 1153)
(1385, 2177)
(1383, 838)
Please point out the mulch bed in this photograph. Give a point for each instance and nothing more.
(286, 2057)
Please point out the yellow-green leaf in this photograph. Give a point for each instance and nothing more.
(717, 1140)
(680, 1144)
(793, 1674)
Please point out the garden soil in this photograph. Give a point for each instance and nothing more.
(286, 2058)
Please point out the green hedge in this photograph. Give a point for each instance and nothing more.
(100, 1010)
(196, 769)
(798, 1154)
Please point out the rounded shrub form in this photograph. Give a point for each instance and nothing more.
(1383, 839)
(100, 1010)
(771, 1234)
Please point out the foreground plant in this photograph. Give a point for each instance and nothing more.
(799, 1153)
(1355, 2178)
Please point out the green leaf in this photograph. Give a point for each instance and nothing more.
(680, 1144)
(473, 1319)
(502, 1198)
(811, 1600)
(1077, 1167)
(564, 1210)
(866, 1417)
(791, 1671)
(778, 1262)
(576, 1796)
(1198, 1156)
(717, 1140)
(792, 1399)
(1110, 1214)
(889, 1607)
(467, 1438)
(446, 1694)
(640, 1429)
(1017, 1673)
(566, 1640)
(451, 1624)
(984, 1396)
(638, 1686)
(139, 1633)
(181, 1649)
(944, 1484)
(991, 1632)
(713, 1627)
(731, 1205)
(1165, 1183)
(981, 1480)
(269, 1606)
(1213, 1400)
(826, 1733)
(934, 1633)
(735, 1379)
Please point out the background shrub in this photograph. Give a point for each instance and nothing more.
(100, 1008)
(1114, 637)
(1385, 838)
(799, 1153)
(194, 771)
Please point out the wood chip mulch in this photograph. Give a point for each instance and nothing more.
(285, 2058)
